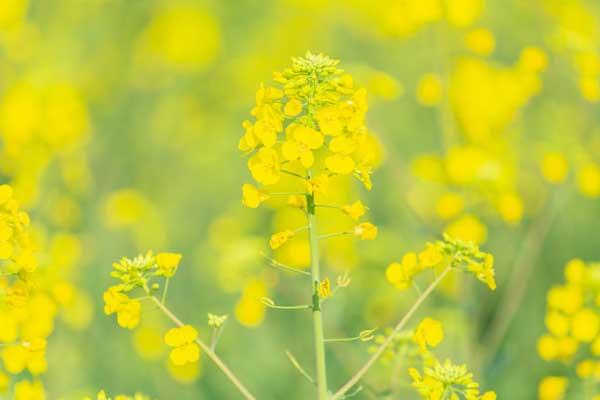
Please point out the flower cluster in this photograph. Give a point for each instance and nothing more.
(17, 257)
(447, 381)
(138, 272)
(447, 253)
(573, 327)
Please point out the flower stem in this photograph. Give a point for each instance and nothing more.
(363, 370)
(209, 352)
(318, 334)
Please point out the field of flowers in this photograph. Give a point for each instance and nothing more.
(299, 199)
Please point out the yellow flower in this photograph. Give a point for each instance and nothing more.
(467, 228)
(128, 316)
(575, 271)
(355, 210)
(552, 388)
(279, 238)
(25, 390)
(186, 350)
(554, 167)
(480, 41)
(510, 207)
(340, 164)
(401, 274)
(167, 263)
(428, 333)
(449, 205)
(318, 184)
(264, 166)
(429, 91)
(293, 108)
(533, 59)
(588, 180)
(252, 196)
(324, 288)
(365, 231)
(557, 323)
(304, 140)
(297, 201)
(431, 256)
(485, 271)
(585, 325)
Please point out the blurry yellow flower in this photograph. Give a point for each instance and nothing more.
(575, 271)
(590, 88)
(184, 37)
(429, 90)
(185, 374)
(585, 325)
(510, 207)
(429, 333)
(167, 263)
(365, 231)
(557, 324)
(355, 210)
(485, 271)
(533, 59)
(297, 201)
(252, 196)
(401, 274)
(25, 390)
(552, 388)
(588, 180)
(148, 342)
(279, 238)
(467, 228)
(449, 205)
(463, 12)
(555, 167)
(567, 299)
(186, 350)
(431, 256)
(480, 41)
(585, 368)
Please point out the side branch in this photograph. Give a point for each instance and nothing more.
(211, 354)
(363, 370)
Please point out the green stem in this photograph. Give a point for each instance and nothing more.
(318, 334)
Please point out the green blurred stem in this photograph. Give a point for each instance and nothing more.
(380, 350)
(319, 337)
(209, 352)
(165, 290)
(520, 276)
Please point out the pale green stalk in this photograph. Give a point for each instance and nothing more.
(319, 337)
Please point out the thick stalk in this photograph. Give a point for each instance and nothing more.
(319, 337)
(209, 352)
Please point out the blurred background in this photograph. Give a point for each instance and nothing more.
(119, 124)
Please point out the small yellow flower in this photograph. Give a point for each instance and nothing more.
(480, 41)
(252, 196)
(365, 231)
(297, 201)
(430, 90)
(552, 388)
(279, 238)
(128, 316)
(264, 166)
(585, 325)
(293, 108)
(324, 289)
(588, 180)
(355, 210)
(340, 164)
(431, 256)
(186, 350)
(167, 263)
(555, 167)
(318, 184)
(428, 333)
(304, 140)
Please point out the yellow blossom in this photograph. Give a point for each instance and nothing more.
(279, 238)
(167, 263)
(430, 90)
(185, 349)
(429, 333)
(355, 210)
(252, 196)
(365, 231)
(552, 388)
(554, 167)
